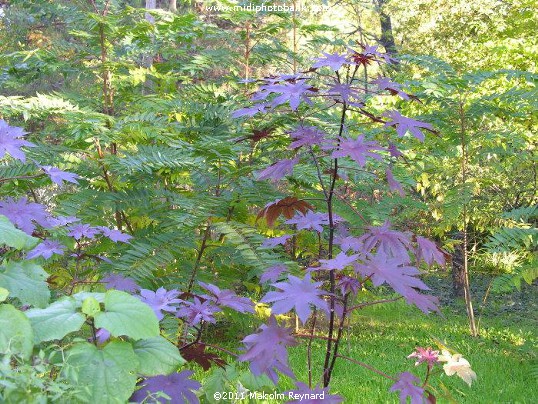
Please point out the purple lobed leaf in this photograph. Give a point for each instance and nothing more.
(358, 149)
(161, 300)
(393, 184)
(178, 386)
(115, 235)
(198, 311)
(339, 262)
(119, 282)
(23, 214)
(228, 298)
(306, 136)
(267, 350)
(390, 242)
(11, 141)
(296, 293)
(78, 231)
(428, 251)
(273, 242)
(46, 249)
(58, 176)
(310, 220)
(333, 60)
(403, 125)
(400, 277)
(273, 273)
(278, 170)
(407, 387)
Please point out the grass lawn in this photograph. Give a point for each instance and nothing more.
(382, 336)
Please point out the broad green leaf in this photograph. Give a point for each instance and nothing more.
(81, 296)
(25, 281)
(218, 381)
(4, 293)
(13, 237)
(256, 383)
(16, 335)
(56, 321)
(90, 306)
(106, 375)
(126, 315)
(157, 356)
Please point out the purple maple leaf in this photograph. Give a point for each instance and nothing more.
(161, 300)
(62, 220)
(334, 61)
(393, 151)
(349, 243)
(278, 170)
(115, 235)
(46, 249)
(296, 293)
(347, 284)
(400, 277)
(228, 298)
(344, 91)
(11, 142)
(274, 241)
(310, 220)
(267, 350)
(408, 388)
(306, 136)
(177, 386)
(304, 395)
(273, 273)
(428, 251)
(249, 111)
(196, 312)
(403, 124)
(58, 176)
(339, 262)
(119, 282)
(292, 92)
(78, 231)
(23, 214)
(384, 83)
(358, 149)
(426, 303)
(390, 242)
(393, 184)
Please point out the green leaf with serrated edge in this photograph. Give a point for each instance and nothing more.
(56, 321)
(13, 237)
(4, 293)
(126, 315)
(25, 281)
(16, 334)
(157, 356)
(90, 306)
(104, 375)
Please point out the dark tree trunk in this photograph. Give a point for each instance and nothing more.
(458, 270)
(387, 37)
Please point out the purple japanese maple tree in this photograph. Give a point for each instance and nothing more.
(359, 140)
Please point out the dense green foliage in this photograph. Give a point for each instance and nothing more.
(138, 104)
